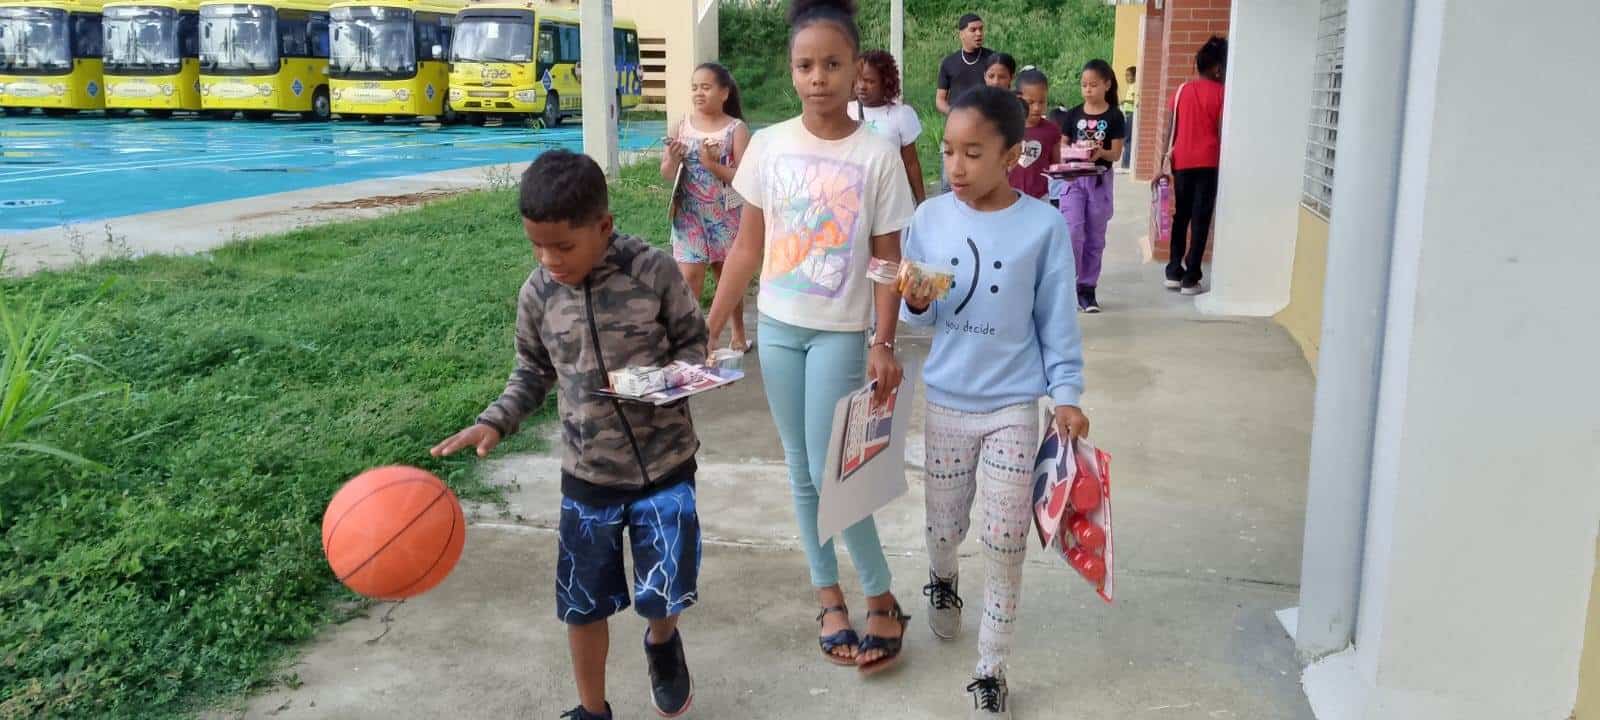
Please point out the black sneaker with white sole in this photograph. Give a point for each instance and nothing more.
(671, 689)
(989, 698)
(578, 713)
(1191, 288)
(1088, 301)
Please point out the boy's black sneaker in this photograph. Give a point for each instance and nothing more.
(578, 713)
(671, 689)
(1089, 303)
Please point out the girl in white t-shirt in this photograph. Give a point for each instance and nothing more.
(822, 196)
(878, 105)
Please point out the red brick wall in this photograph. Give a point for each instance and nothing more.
(1152, 61)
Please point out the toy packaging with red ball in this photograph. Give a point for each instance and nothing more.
(1072, 507)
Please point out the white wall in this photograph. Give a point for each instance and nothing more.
(1485, 492)
(1272, 49)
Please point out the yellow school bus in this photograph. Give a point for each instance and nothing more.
(152, 56)
(50, 56)
(391, 58)
(523, 58)
(265, 56)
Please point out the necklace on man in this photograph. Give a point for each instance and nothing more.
(975, 60)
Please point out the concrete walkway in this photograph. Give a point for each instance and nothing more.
(1207, 420)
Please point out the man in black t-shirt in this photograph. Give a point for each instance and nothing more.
(963, 69)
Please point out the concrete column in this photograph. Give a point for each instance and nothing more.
(897, 34)
(600, 85)
(1273, 46)
(1485, 490)
(1361, 239)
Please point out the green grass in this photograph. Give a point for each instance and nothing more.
(1058, 36)
(252, 381)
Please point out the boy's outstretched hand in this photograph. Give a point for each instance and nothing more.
(1071, 422)
(480, 436)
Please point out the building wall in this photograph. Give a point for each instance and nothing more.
(1303, 317)
(1146, 145)
(674, 37)
(1589, 667)
(1125, 46)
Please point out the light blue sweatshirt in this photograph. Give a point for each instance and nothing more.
(1008, 332)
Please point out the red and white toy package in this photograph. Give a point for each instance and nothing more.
(1072, 507)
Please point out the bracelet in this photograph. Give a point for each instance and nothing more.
(886, 343)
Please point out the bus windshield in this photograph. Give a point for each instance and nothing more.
(238, 39)
(494, 38)
(142, 39)
(372, 42)
(34, 40)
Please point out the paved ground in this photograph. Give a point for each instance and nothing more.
(1208, 423)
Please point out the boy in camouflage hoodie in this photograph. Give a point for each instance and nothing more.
(600, 301)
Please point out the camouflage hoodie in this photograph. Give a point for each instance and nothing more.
(633, 309)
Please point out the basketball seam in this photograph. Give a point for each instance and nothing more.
(402, 531)
(327, 542)
(449, 538)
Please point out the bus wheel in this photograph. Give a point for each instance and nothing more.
(16, 111)
(59, 112)
(376, 119)
(449, 116)
(552, 110)
(321, 108)
(258, 115)
(161, 114)
(478, 119)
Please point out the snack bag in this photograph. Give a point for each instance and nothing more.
(638, 381)
(1072, 508)
(923, 279)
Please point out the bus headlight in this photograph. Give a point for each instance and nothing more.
(402, 94)
(205, 89)
(338, 93)
(527, 96)
(265, 89)
(457, 94)
(166, 89)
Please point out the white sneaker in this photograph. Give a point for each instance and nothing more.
(989, 699)
(944, 606)
(1191, 289)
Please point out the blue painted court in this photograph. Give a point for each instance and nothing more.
(61, 170)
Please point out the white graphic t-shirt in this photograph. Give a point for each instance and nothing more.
(823, 201)
(896, 121)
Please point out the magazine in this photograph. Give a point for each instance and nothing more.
(866, 466)
(684, 380)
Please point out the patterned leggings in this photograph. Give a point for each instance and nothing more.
(994, 450)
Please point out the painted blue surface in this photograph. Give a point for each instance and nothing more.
(62, 170)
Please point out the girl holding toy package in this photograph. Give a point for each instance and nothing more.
(703, 153)
(988, 366)
(1098, 126)
(824, 195)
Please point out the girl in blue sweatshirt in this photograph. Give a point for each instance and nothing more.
(1006, 335)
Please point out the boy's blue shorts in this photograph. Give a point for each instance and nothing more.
(664, 530)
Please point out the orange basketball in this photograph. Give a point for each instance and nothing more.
(393, 532)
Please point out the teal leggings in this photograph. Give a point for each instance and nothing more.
(806, 372)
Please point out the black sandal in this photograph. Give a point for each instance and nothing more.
(844, 638)
(890, 646)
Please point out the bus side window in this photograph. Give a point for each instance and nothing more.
(547, 45)
(87, 38)
(189, 35)
(430, 34)
(317, 35)
(571, 44)
(292, 33)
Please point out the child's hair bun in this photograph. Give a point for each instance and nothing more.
(799, 9)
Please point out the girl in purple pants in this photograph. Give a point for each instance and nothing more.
(1086, 201)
